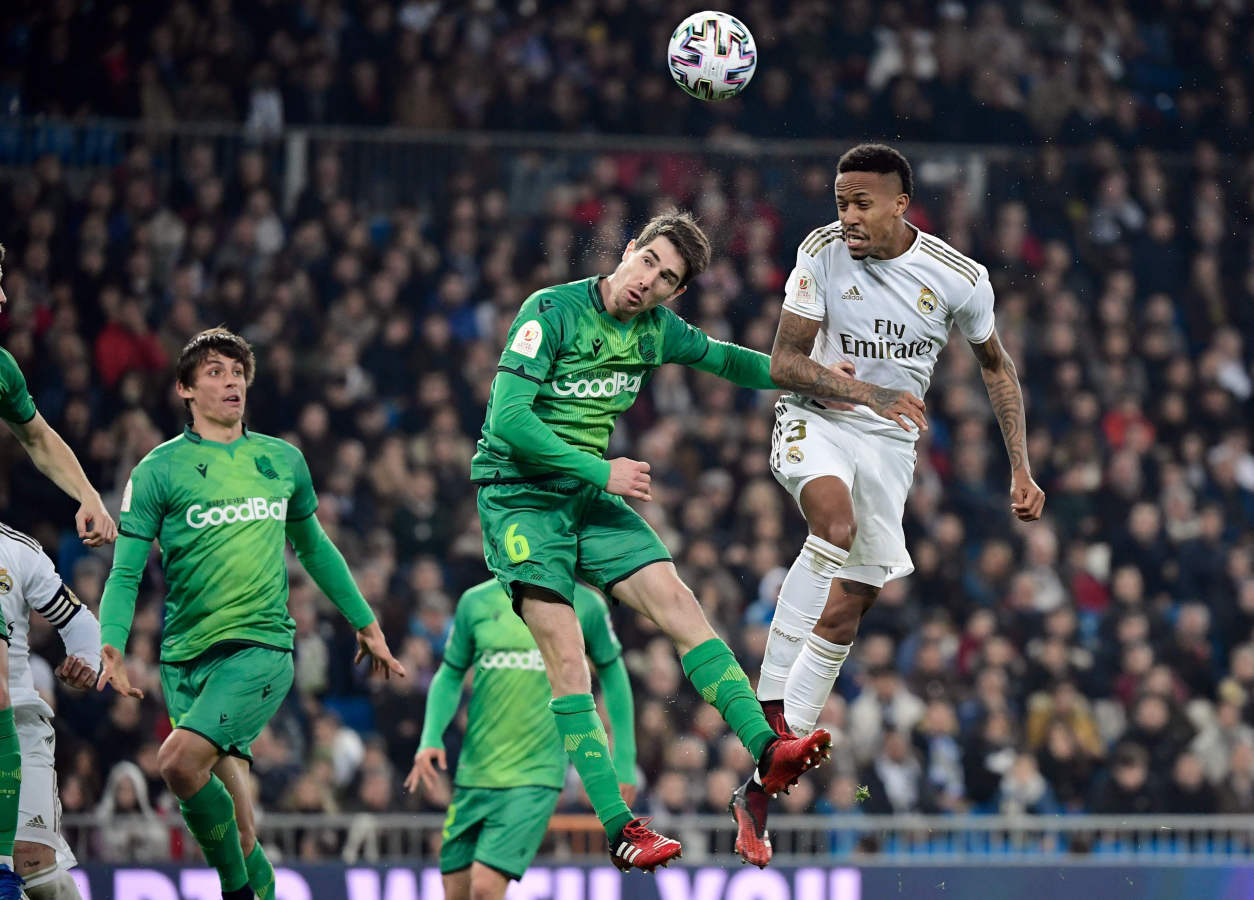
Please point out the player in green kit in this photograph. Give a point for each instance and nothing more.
(222, 501)
(512, 764)
(551, 507)
(54, 458)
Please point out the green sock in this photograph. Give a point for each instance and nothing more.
(721, 682)
(589, 749)
(210, 816)
(10, 780)
(260, 873)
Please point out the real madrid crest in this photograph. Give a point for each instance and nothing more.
(794, 454)
(6, 581)
(927, 301)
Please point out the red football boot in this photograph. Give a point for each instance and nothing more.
(748, 808)
(640, 847)
(787, 759)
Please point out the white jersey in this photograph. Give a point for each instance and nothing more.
(889, 317)
(29, 581)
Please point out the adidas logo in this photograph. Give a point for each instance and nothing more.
(852, 294)
(37, 822)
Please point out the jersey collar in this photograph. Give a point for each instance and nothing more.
(594, 291)
(914, 245)
(197, 439)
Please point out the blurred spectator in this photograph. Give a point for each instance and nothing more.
(130, 831)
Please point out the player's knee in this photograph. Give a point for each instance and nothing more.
(178, 769)
(54, 884)
(839, 533)
(486, 884)
(5, 703)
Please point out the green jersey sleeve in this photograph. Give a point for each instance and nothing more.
(459, 649)
(534, 340)
(143, 502)
(681, 342)
(304, 500)
(16, 405)
(598, 634)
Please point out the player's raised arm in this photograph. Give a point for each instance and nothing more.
(52, 456)
(1027, 500)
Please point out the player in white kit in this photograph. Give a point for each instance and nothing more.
(29, 581)
(878, 295)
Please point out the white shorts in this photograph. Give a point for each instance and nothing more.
(879, 471)
(39, 805)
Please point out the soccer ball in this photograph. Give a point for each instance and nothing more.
(712, 55)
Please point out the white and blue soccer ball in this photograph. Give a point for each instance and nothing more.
(712, 55)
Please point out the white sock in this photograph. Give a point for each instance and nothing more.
(802, 597)
(810, 682)
(7, 861)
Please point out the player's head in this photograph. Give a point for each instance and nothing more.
(213, 373)
(657, 266)
(874, 185)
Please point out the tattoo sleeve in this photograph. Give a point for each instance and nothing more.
(793, 370)
(1001, 379)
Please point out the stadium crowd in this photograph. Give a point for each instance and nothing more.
(1100, 660)
(1160, 72)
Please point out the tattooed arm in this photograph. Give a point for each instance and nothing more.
(792, 369)
(1002, 381)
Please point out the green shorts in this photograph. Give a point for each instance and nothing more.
(549, 533)
(228, 694)
(499, 827)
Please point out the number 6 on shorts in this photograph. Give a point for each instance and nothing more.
(516, 545)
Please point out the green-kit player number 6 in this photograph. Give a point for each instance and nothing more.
(516, 544)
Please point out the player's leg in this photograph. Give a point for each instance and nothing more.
(41, 854)
(513, 830)
(828, 506)
(251, 683)
(878, 552)
(10, 777)
(456, 884)
(530, 545)
(486, 883)
(619, 551)
(45, 879)
(233, 772)
(656, 591)
(186, 760)
(462, 824)
(817, 464)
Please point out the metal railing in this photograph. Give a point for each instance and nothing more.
(797, 839)
(386, 168)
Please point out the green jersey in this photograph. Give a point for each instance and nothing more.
(589, 366)
(219, 512)
(16, 405)
(511, 739)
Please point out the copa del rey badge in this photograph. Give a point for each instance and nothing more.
(527, 340)
(805, 287)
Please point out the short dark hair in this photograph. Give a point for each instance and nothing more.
(682, 230)
(213, 340)
(879, 158)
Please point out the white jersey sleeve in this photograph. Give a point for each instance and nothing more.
(974, 315)
(805, 291)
